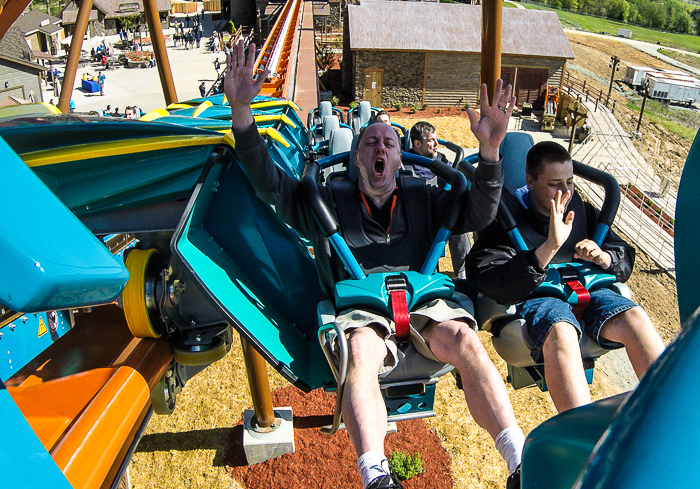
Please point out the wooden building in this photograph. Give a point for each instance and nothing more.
(415, 52)
(20, 75)
(43, 32)
(105, 15)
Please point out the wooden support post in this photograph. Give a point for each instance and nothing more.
(644, 101)
(492, 12)
(76, 45)
(256, 370)
(158, 43)
(575, 117)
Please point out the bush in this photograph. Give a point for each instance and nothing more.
(404, 466)
(335, 101)
(353, 104)
(416, 107)
(398, 106)
(467, 106)
(438, 110)
(424, 106)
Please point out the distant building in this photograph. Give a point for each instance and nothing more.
(418, 52)
(42, 31)
(20, 75)
(105, 15)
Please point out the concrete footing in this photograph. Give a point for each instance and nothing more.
(263, 444)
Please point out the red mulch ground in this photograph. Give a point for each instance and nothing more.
(322, 461)
(427, 113)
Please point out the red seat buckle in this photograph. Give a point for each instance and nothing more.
(584, 297)
(396, 286)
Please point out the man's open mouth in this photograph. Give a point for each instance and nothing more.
(379, 165)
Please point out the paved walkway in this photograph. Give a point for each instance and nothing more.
(141, 87)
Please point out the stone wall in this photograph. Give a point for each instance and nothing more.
(402, 80)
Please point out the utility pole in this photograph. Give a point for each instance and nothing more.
(644, 101)
(613, 64)
(575, 117)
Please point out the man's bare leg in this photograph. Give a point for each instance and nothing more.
(364, 411)
(456, 343)
(563, 368)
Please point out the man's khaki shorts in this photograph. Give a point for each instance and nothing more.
(438, 310)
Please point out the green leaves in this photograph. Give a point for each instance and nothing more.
(405, 466)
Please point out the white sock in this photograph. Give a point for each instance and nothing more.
(372, 465)
(510, 443)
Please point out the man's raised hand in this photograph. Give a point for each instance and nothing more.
(491, 127)
(240, 84)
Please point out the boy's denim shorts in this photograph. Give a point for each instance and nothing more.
(542, 313)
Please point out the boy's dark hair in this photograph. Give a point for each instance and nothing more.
(421, 129)
(543, 153)
(382, 112)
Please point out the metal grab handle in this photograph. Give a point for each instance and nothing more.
(340, 373)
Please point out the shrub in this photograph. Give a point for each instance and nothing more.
(398, 106)
(438, 110)
(416, 107)
(648, 202)
(405, 466)
(353, 104)
(671, 222)
(467, 106)
(335, 101)
(424, 106)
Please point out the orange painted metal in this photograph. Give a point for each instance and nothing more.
(86, 395)
(10, 10)
(278, 82)
(87, 451)
(256, 369)
(158, 41)
(492, 13)
(76, 45)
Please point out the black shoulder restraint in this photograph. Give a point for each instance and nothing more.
(407, 253)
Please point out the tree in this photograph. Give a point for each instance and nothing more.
(684, 23)
(619, 10)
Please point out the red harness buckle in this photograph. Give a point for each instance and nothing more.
(396, 286)
(584, 297)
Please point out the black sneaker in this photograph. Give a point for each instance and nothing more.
(385, 482)
(513, 481)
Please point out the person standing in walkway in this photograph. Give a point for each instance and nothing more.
(102, 83)
(202, 89)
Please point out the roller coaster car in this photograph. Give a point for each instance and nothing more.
(408, 390)
(510, 337)
(317, 115)
(330, 137)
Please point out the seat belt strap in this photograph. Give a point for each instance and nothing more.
(583, 296)
(396, 286)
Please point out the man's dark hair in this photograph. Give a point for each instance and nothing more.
(382, 112)
(543, 153)
(420, 130)
(131, 108)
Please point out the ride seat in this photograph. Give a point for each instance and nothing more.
(340, 141)
(361, 115)
(408, 389)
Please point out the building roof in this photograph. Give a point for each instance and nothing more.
(451, 27)
(32, 21)
(14, 48)
(110, 8)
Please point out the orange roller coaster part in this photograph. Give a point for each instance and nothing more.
(278, 49)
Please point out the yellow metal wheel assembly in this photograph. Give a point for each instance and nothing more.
(196, 355)
(138, 296)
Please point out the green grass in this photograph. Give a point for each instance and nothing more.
(686, 42)
(682, 122)
(688, 59)
(509, 5)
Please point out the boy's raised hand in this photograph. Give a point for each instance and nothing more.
(491, 127)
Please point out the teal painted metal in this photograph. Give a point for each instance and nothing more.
(36, 273)
(27, 336)
(23, 460)
(589, 278)
(416, 404)
(257, 271)
(686, 232)
(371, 292)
